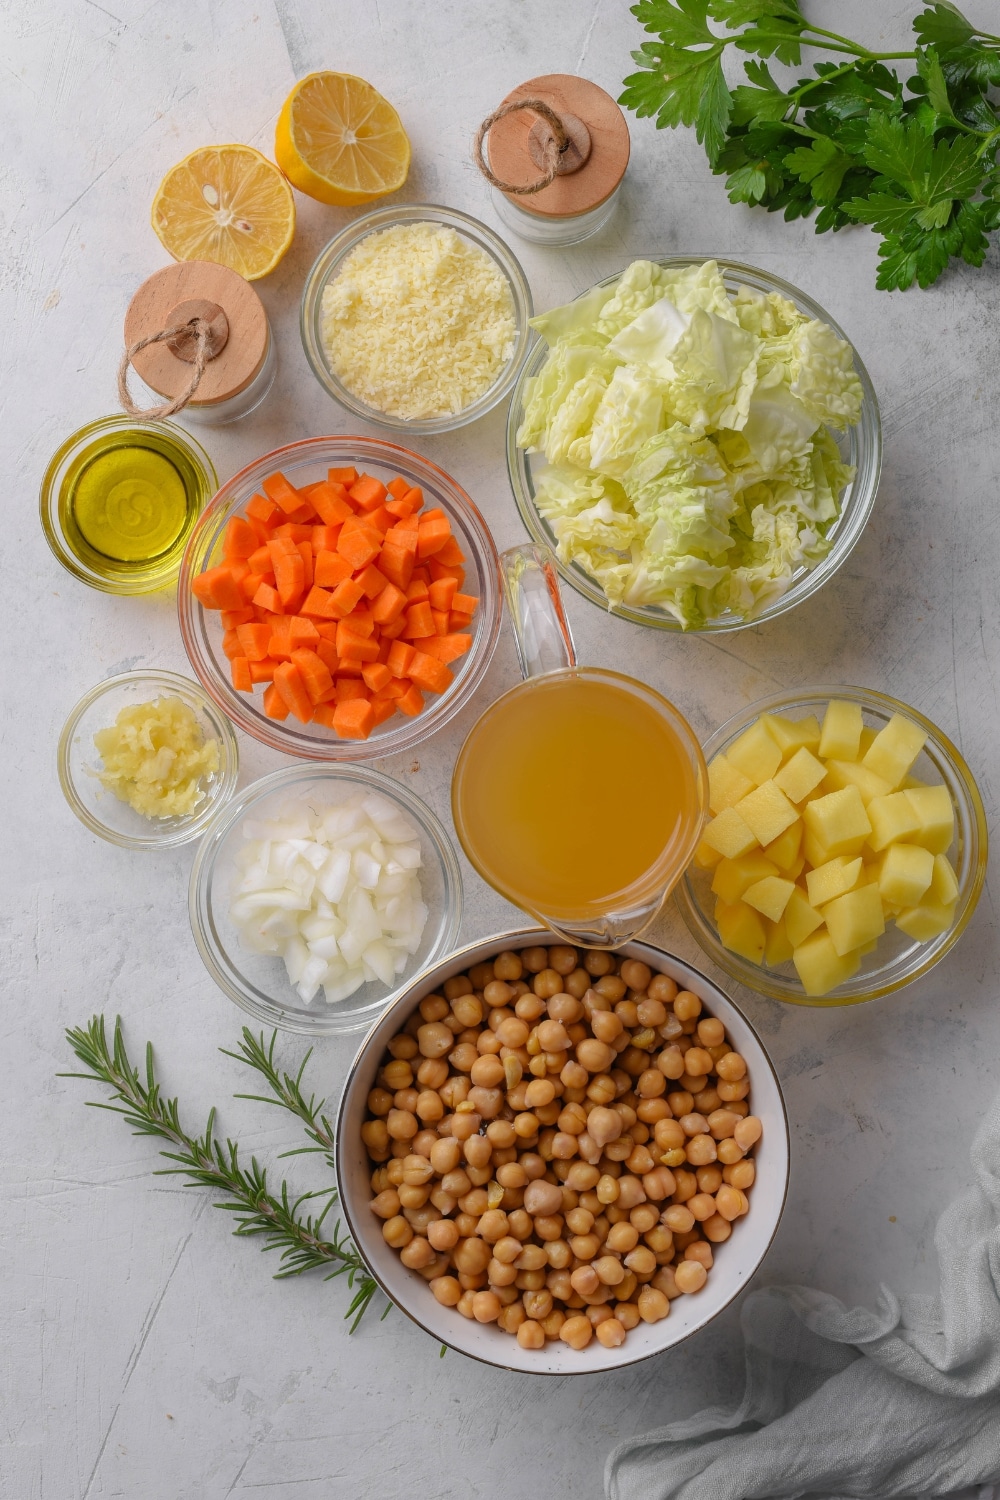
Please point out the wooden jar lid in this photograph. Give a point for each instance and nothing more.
(512, 159)
(175, 294)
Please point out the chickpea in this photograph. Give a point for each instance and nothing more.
(670, 1063)
(464, 1303)
(464, 1056)
(435, 1039)
(741, 1175)
(447, 1290)
(487, 1071)
(386, 1204)
(653, 1305)
(661, 987)
(748, 1132)
(396, 1232)
(401, 1125)
(612, 987)
(593, 1055)
(697, 1062)
(651, 1012)
(681, 1103)
(379, 1101)
(636, 975)
(660, 1240)
(607, 1188)
(707, 1101)
(597, 962)
(650, 1084)
(519, 1224)
(417, 1253)
(577, 983)
(702, 1205)
(602, 1089)
(507, 966)
(701, 1150)
(731, 1068)
(644, 1216)
(659, 1183)
(717, 1229)
(729, 1093)
(375, 1135)
(627, 1314)
(547, 983)
(585, 1280)
(533, 1165)
(630, 1192)
(709, 1179)
(477, 1151)
(729, 1152)
(690, 1276)
(622, 1238)
(579, 1221)
(471, 1256)
(549, 1226)
(687, 1005)
(539, 1093)
(732, 1203)
(678, 1218)
(582, 1175)
(459, 984)
(604, 1125)
(565, 1008)
(530, 1281)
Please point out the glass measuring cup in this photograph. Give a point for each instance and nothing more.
(580, 793)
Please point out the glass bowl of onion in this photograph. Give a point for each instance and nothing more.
(319, 893)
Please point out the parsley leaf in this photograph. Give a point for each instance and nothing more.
(680, 23)
(822, 165)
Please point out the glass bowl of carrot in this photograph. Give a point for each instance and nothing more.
(339, 598)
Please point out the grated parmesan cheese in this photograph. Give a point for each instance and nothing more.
(418, 322)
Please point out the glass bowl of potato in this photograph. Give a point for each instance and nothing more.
(846, 848)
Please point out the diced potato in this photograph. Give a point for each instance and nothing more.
(833, 879)
(815, 853)
(800, 918)
(820, 967)
(705, 857)
(729, 835)
(784, 850)
(911, 784)
(767, 812)
(841, 773)
(928, 920)
(777, 948)
(892, 818)
(867, 740)
(894, 749)
(905, 874)
(755, 754)
(769, 896)
(933, 807)
(800, 775)
(838, 822)
(792, 734)
(726, 785)
(855, 919)
(944, 885)
(842, 726)
(734, 876)
(741, 930)
(794, 871)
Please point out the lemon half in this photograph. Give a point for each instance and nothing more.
(339, 141)
(226, 204)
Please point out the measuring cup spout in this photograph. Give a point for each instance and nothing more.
(535, 610)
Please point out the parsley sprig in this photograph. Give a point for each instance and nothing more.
(854, 143)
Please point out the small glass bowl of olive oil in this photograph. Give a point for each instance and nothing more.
(119, 500)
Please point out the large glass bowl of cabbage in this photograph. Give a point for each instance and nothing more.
(697, 442)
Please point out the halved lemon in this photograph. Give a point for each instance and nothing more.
(226, 204)
(339, 141)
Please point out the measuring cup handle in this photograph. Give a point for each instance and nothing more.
(534, 604)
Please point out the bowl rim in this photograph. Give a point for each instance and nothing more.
(149, 579)
(269, 1012)
(352, 234)
(803, 586)
(216, 799)
(460, 958)
(759, 978)
(408, 733)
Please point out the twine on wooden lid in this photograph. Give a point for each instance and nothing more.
(200, 331)
(556, 144)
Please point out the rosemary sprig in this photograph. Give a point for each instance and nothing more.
(205, 1162)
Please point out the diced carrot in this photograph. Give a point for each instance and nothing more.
(280, 644)
(397, 487)
(255, 640)
(324, 539)
(352, 647)
(384, 647)
(327, 630)
(372, 581)
(240, 539)
(417, 591)
(394, 628)
(274, 704)
(315, 675)
(412, 702)
(439, 570)
(389, 605)
(249, 586)
(396, 688)
(419, 621)
(361, 621)
(288, 681)
(376, 675)
(427, 672)
(233, 617)
(330, 569)
(354, 721)
(445, 647)
(359, 546)
(432, 535)
(344, 477)
(327, 653)
(382, 709)
(351, 689)
(441, 592)
(440, 617)
(451, 554)
(306, 554)
(323, 713)
(263, 510)
(263, 671)
(346, 595)
(380, 520)
(302, 632)
(293, 532)
(277, 488)
(267, 598)
(404, 538)
(215, 589)
(260, 531)
(260, 561)
(231, 645)
(400, 656)
(319, 602)
(409, 523)
(349, 669)
(368, 493)
(289, 575)
(396, 564)
(240, 669)
(330, 502)
(464, 604)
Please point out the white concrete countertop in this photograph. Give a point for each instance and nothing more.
(145, 1352)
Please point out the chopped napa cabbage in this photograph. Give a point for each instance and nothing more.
(690, 459)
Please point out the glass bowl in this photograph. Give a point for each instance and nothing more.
(79, 762)
(736, 1261)
(68, 464)
(326, 267)
(897, 959)
(259, 984)
(860, 446)
(302, 463)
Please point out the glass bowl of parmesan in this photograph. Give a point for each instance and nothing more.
(416, 317)
(146, 758)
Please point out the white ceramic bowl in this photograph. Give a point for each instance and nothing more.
(735, 1261)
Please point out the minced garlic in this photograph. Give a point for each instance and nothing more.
(418, 322)
(155, 756)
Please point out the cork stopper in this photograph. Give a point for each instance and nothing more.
(238, 338)
(591, 165)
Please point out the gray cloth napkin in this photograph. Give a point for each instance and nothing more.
(902, 1403)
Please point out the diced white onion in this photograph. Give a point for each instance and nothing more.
(333, 891)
